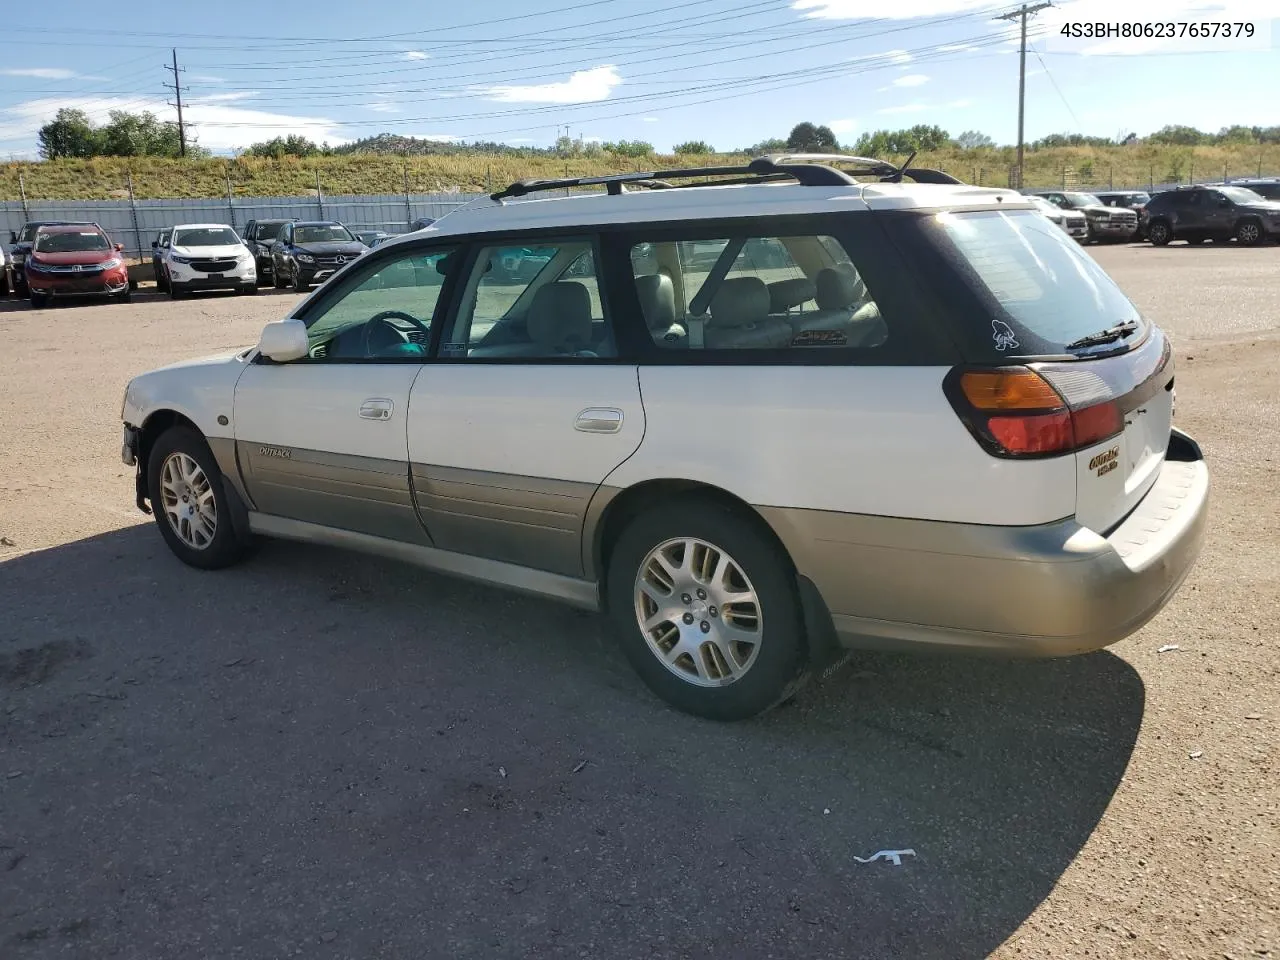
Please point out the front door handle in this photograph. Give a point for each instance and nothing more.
(377, 409)
(599, 420)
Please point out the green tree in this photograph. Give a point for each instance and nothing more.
(974, 140)
(1178, 135)
(629, 148)
(771, 145)
(143, 135)
(69, 134)
(692, 147)
(807, 138)
(294, 145)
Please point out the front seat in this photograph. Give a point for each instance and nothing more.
(739, 318)
(657, 296)
(559, 320)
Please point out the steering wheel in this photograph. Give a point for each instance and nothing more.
(378, 318)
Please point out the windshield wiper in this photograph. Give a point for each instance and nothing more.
(1109, 335)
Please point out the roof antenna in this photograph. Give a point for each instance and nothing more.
(896, 176)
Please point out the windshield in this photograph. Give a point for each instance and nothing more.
(1043, 290)
(268, 231)
(1240, 195)
(205, 237)
(1082, 199)
(71, 242)
(327, 233)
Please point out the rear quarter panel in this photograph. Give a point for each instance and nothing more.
(882, 441)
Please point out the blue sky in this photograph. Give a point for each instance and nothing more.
(731, 72)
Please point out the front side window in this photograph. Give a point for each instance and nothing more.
(79, 242)
(268, 231)
(384, 313)
(205, 237)
(540, 301)
(322, 233)
(755, 293)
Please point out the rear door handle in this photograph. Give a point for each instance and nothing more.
(599, 420)
(377, 409)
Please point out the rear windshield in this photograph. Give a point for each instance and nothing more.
(268, 231)
(1042, 290)
(321, 234)
(71, 242)
(205, 237)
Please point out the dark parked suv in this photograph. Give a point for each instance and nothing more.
(258, 236)
(310, 251)
(1197, 214)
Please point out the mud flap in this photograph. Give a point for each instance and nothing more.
(140, 488)
(826, 656)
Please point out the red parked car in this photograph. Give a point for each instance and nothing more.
(75, 259)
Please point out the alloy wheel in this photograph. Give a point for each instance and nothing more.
(188, 501)
(698, 612)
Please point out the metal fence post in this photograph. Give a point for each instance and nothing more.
(133, 211)
(319, 194)
(22, 192)
(1259, 164)
(408, 209)
(1191, 173)
(1111, 178)
(1151, 177)
(231, 207)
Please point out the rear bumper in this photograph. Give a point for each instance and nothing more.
(1043, 591)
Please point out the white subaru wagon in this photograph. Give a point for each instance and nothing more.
(760, 418)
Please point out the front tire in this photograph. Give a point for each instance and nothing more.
(1249, 233)
(176, 291)
(300, 284)
(39, 300)
(1159, 233)
(706, 609)
(190, 503)
(124, 297)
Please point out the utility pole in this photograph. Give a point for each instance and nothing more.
(176, 87)
(1022, 14)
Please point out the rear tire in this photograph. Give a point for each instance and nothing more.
(663, 554)
(192, 472)
(1159, 233)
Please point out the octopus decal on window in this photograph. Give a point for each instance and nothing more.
(1002, 333)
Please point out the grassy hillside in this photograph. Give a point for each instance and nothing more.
(106, 177)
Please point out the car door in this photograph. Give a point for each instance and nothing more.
(279, 249)
(528, 407)
(1219, 212)
(323, 439)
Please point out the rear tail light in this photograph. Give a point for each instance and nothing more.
(1015, 412)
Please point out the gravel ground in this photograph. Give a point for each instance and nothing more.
(319, 755)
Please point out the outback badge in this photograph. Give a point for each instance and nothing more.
(1104, 463)
(281, 452)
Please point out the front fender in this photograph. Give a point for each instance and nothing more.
(203, 391)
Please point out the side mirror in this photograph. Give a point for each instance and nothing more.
(1224, 202)
(154, 244)
(119, 247)
(283, 340)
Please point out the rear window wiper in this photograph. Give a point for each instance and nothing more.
(1109, 335)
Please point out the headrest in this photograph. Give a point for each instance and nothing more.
(740, 302)
(559, 318)
(657, 300)
(836, 289)
(785, 294)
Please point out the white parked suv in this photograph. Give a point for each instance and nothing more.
(756, 422)
(207, 256)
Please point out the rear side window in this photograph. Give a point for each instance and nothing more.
(752, 293)
(1041, 289)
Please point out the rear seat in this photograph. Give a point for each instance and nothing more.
(739, 317)
(844, 304)
(784, 295)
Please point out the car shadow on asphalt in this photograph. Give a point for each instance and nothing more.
(317, 750)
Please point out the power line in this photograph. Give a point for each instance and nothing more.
(1061, 96)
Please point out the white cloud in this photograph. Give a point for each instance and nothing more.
(223, 97)
(843, 126)
(872, 9)
(583, 86)
(217, 125)
(960, 104)
(955, 47)
(416, 55)
(905, 108)
(911, 80)
(44, 73)
(648, 119)
(204, 78)
(385, 107)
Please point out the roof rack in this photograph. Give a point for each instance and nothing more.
(807, 169)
